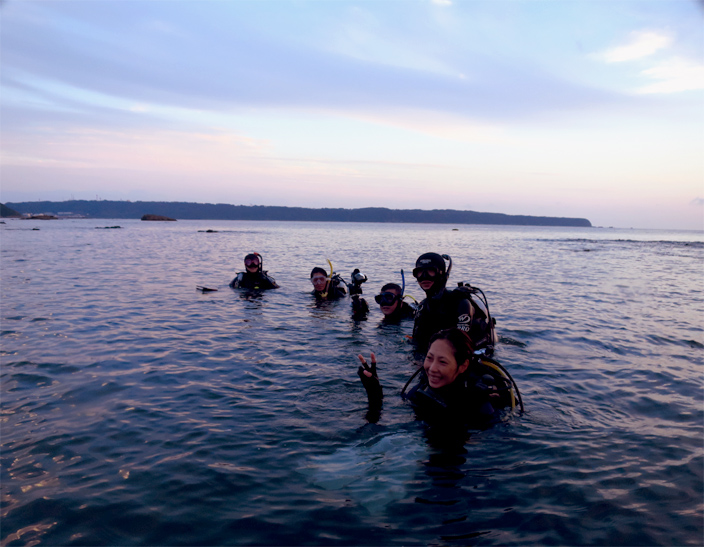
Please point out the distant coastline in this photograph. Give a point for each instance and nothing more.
(222, 211)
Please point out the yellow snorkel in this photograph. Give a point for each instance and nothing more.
(327, 283)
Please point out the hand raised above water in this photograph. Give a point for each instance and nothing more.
(370, 380)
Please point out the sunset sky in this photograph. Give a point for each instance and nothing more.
(579, 108)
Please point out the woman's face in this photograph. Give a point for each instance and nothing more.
(440, 364)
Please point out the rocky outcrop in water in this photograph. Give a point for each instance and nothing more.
(157, 217)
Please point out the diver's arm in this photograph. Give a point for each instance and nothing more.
(371, 384)
(422, 327)
(360, 308)
(235, 283)
(272, 282)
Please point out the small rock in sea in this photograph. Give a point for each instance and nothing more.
(107, 227)
(209, 231)
(158, 217)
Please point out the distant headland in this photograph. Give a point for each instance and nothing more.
(223, 211)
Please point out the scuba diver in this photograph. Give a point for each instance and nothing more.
(360, 308)
(332, 287)
(326, 287)
(465, 307)
(253, 277)
(456, 385)
(392, 305)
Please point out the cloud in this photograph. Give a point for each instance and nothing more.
(669, 75)
(442, 2)
(228, 66)
(697, 202)
(641, 44)
(674, 76)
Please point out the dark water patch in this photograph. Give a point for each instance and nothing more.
(662, 341)
(636, 242)
(24, 381)
(48, 367)
(511, 341)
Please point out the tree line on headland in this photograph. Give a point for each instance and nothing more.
(223, 211)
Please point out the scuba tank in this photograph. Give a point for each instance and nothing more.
(482, 320)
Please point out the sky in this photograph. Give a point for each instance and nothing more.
(569, 108)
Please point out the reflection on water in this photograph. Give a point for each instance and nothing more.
(137, 410)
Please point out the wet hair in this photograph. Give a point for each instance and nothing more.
(318, 270)
(460, 342)
(393, 286)
(253, 256)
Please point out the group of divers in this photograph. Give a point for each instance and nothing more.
(460, 382)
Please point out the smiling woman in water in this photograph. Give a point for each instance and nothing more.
(455, 385)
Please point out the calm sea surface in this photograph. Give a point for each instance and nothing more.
(139, 411)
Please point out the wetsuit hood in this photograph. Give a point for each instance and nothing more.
(434, 260)
(253, 256)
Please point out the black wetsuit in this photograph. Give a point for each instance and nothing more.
(473, 398)
(476, 397)
(451, 309)
(403, 311)
(334, 292)
(257, 281)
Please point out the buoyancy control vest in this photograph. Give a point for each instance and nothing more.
(254, 281)
(479, 325)
(334, 289)
(478, 396)
(403, 311)
(464, 308)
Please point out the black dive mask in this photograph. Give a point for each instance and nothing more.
(386, 298)
(422, 274)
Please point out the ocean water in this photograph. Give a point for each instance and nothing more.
(137, 410)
